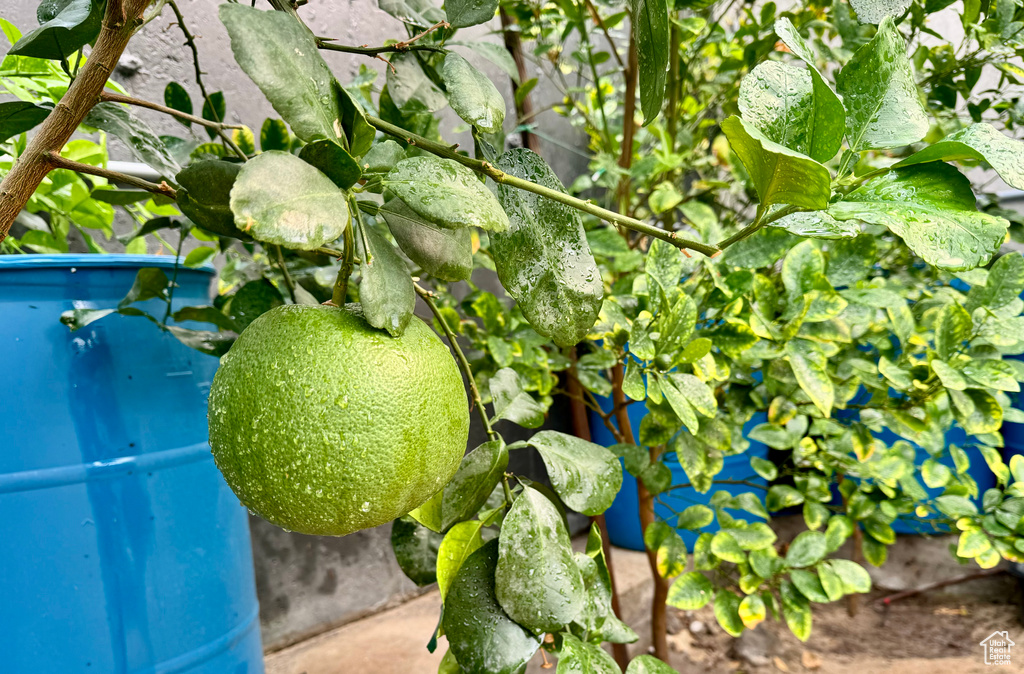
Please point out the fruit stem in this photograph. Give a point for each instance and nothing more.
(341, 284)
(460, 357)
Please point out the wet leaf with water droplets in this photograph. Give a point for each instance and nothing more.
(512, 403)
(385, 292)
(278, 198)
(933, 209)
(439, 251)
(586, 476)
(484, 639)
(978, 142)
(816, 225)
(537, 580)
(446, 194)
(415, 548)
(472, 95)
(583, 657)
(650, 25)
(141, 140)
(478, 475)
(544, 260)
(874, 11)
(648, 664)
(465, 13)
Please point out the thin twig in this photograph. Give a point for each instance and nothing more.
(109, 96)
(57, 161)
(460, 357)
(288, 283)
(327, 44)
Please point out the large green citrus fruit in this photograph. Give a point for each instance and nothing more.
(324, 425)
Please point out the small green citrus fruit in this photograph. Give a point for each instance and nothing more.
(323, 425)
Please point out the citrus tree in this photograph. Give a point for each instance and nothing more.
(780, 230)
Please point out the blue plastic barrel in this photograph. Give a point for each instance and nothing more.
(623, 517)
(123, 549)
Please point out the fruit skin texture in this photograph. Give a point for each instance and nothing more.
(324, 425)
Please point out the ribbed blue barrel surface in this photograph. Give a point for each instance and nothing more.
(123, 549)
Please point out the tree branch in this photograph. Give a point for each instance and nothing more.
(55, 161)
(110, 96)
(119, 23)
(498, 176)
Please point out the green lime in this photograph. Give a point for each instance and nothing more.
(324, 425)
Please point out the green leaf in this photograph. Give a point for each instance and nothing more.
(204, 341)
(206, 197)
(444, 253)
(668, 547)
(177, 98)
(796, 610)
(695, 517)
(76, 24)
(199, 256)
(537, 580)
(512, 403)
(76, 319)
(816, 225)
(274, 135)
(752, 611)
(690, 591)
(650, 27)
(810, 586)
(415, 549)
(544, 260)
(205, 314)
(727, 607)
(725, 546)
(932, 208)
(333, 161)
(386, 292)
(252, 300)
(883, 108)
(472, 95)
(466, 13)
(459, 543)
(429, 514)
(764, 468)
(446, 193)
(648, 664)
(582, 657)
(412, 91)
(479, 473)
(17, 117)
(280, 55)
(807, 549)
(1004, 284)
(973, 543)
(855, 578)
(417, 13)
(874, 11)
(214, 109)
(952, 329)
(484, 639)
(780, 175)
(782, 102)
(586, 476)
(979, 142)
(838, 530)
(278, 198)
(147, 147)
(809, 367)
(149, 283)
(993, 374)
(977, 411)
(633, 381)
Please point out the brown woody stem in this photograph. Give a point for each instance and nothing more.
(55, 161)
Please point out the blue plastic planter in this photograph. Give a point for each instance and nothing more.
(623, 518)
(124, 552)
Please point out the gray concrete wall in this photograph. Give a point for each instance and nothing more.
(307, 584)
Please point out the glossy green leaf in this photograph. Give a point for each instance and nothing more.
(415, 549)
(465, 13)
(668, 548)
(76, 24)
(333, 161)
(727, 612)
(17, 117)
(977, 411)
(205, 341)
(648, 664)
(695, 517)
(978, 142)
(382, 157)
(544, 260)
(411, 89)
(952, 329)
(1004, 284)
(252, 300)
(206, 197)
(197, 257)
(484, 639)
(883, 108)
(459, 543)
(817, 225)
(583, 657)
(993, 374)
(854, 576)
(205, 314)
(446, 193)
(417, 13)
(441, 252)
(809, 367)
(147, 147)
(809, 585)
(177, 97)
(512, 403)
(690, 591)
(537, 580)
(796, 610)
(780, 175)
(783, 103)
(214, 109)
(479, 473)
(650, 27)
(472, 95)
(752, 611)
(874, 11)
(932, 208)
(586, 476)
(278, 198)
(725, 546)
(274, 135)
(429, 514)
(807, 549)
(386, 292)
(280, 55)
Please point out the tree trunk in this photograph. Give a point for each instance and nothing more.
(524, 107)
